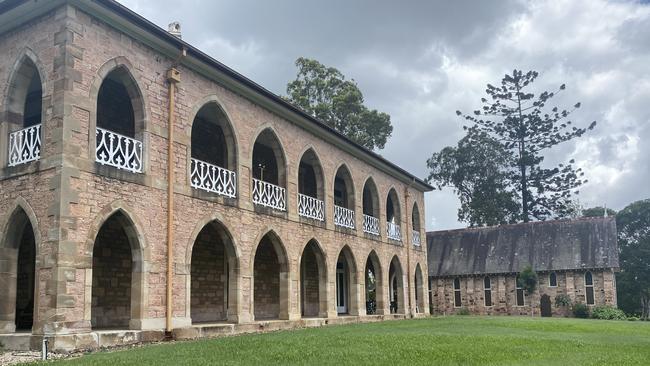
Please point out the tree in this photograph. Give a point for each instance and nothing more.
(477, 168)
(324, 93)
(597, 211)
(633, 282)
(528, 280)
(525, 127)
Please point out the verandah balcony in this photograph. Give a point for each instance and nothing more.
(415, 235)
(344, 217)
(25, 145)
(119, 151)
(269, 195)
(394, 231)
(311, 207)
(212, 178)
(370, 225)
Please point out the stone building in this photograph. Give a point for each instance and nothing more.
(477, 268)
(248, 214)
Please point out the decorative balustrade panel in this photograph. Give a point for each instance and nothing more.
(118, 151)
(394, 232)
(415, 235)
(212, 178)
(344, 217)
(269, 195)
(311, 207)
(25, 145)
(370, 224)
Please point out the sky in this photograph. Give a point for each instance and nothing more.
(420, 61)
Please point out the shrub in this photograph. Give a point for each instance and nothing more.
(632, 318)
(528, 280)
(462, 311)
(607, 312)
(580, 310)
(562, 300)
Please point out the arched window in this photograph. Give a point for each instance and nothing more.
(119, 122)
(370, 208)
(589, 288)
(415, 221)
(214, 157)
(457, 296)
(24, 114)
(269, 175)
(344, 199)
(311, 202)
(552, 280)
(487, 288)
(521, 298)
(393, 216)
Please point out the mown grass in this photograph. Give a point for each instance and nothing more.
(454, 340)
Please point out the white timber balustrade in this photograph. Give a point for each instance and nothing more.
(393, 230)
(25, 145)
(269, 195)
(344, 217)
(212, 178)
(370, 224)
(311, 207)
(119, 151)
(415, 235)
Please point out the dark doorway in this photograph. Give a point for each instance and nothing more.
(545, 305)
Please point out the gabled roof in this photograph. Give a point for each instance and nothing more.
(587, 243)
(13, 13)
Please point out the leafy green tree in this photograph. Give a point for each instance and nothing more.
(476, 168)
(597, 211)
(633, 281)
(324, 93)
(526, 127)
(528, 280)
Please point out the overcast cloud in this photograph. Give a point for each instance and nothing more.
(421, 61)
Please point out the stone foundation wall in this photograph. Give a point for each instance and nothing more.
(504, 301)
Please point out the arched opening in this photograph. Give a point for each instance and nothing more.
(415, 222)
(370, 208)
(24, 113)
(18, 253)
(396, 287)
(393, 217)
(120, 119)
(116, 270)
(374, 285)
(589, 288)
(213, 272)
(313, 281)
(346, 282)
(269, 174)
(271, 279)
(344, 198)
(311, 195)
(214, 157)
(419, 290)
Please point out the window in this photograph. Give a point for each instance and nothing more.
(457, 300)
(589, 288)
(552, 280)
(520, 293)
(487, 285)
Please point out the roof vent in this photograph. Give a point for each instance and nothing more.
(175, 29)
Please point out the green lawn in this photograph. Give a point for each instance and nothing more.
(454, 340)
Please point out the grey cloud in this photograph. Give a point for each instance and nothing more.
(420, 61)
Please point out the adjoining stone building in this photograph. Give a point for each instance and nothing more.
(477, 268)
(247, 214)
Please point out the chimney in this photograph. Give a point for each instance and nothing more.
(175, 29)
